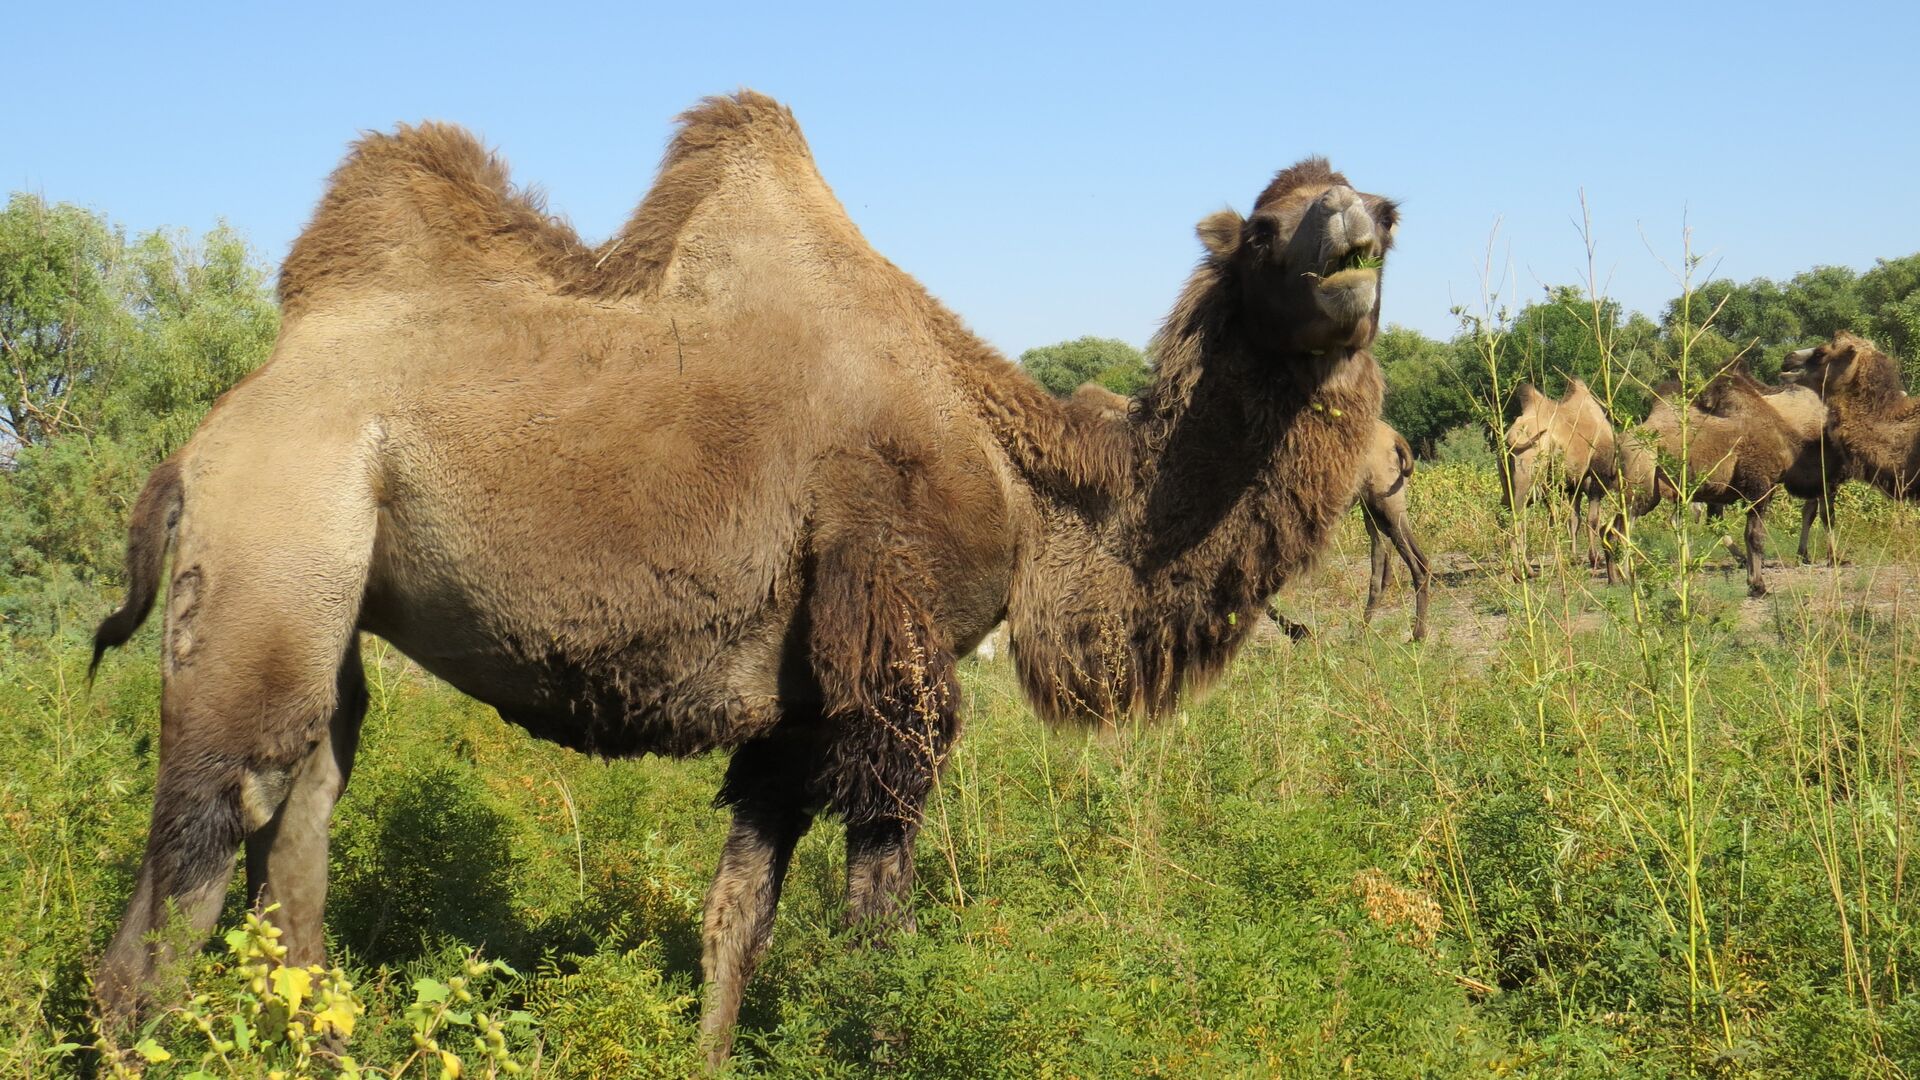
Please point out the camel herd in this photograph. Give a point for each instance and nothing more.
(1839, 415)
(733, 481)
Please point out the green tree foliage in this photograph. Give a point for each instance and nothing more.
(1567, 336)
(1766, 318)
(110, 353)
(1432, 386)
(62, 322)
(1113, 364)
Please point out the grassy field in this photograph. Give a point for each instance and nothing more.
(1647, 830)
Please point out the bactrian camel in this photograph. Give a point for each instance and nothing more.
(1819, 465)
(1740, 452)
(729, 481)
(1870, 418)
(1570, 443)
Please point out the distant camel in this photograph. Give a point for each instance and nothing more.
(1383, 505)
(1741, 452)
(1869, 417)
(1819, 466)
(730, 480)
(1570, 441)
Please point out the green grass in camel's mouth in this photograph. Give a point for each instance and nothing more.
(1361, 260)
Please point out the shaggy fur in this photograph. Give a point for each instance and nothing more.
(1820, 465)
(730, 481)
(1740, 454)
(1869, 417)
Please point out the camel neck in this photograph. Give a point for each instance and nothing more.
(1236, 485)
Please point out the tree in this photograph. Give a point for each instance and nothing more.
(1432, 386)
(110, 355)
(1113, 364)
(62, 323)
(1567, 335)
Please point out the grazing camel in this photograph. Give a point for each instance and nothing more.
(1571, 443)
(1869, 417)
(729, 481)
(1739, 453)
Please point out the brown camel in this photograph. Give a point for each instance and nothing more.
(1570, 444)
(1820, 465)
(1740, 453)
(1869, 417)
(1383, 505)
(730, 480)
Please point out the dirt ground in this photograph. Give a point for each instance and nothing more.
(1471, 600)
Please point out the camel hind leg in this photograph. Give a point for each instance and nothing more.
(1821, 506)
(259, 628)
(287, 857)
(1418, 569)
(1378, 567)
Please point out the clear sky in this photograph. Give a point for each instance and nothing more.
(1041, 170)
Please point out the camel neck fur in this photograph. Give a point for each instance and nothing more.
(1228, 472)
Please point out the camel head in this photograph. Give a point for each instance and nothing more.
(1525, 443)
(1845, 367)
(1305, 266)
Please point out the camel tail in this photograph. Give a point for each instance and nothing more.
(149, 533)
(1404, 453)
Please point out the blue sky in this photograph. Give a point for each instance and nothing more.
(1041, 169)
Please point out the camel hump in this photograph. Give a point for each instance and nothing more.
(727, 120)
(432, 190)
(430, 201)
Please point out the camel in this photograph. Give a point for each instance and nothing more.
(1571, 444)
(730, 481)
(1382, 498)
(1819, 464)
(1869, 417)
(1739, 453)
(1383, 505)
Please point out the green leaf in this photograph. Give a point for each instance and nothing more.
(58, 1049)
(152, 1051)
(242, 1034)
(430, 990)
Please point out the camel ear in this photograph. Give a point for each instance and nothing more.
(1220, 232)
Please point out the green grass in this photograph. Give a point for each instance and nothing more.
(1538, 846)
